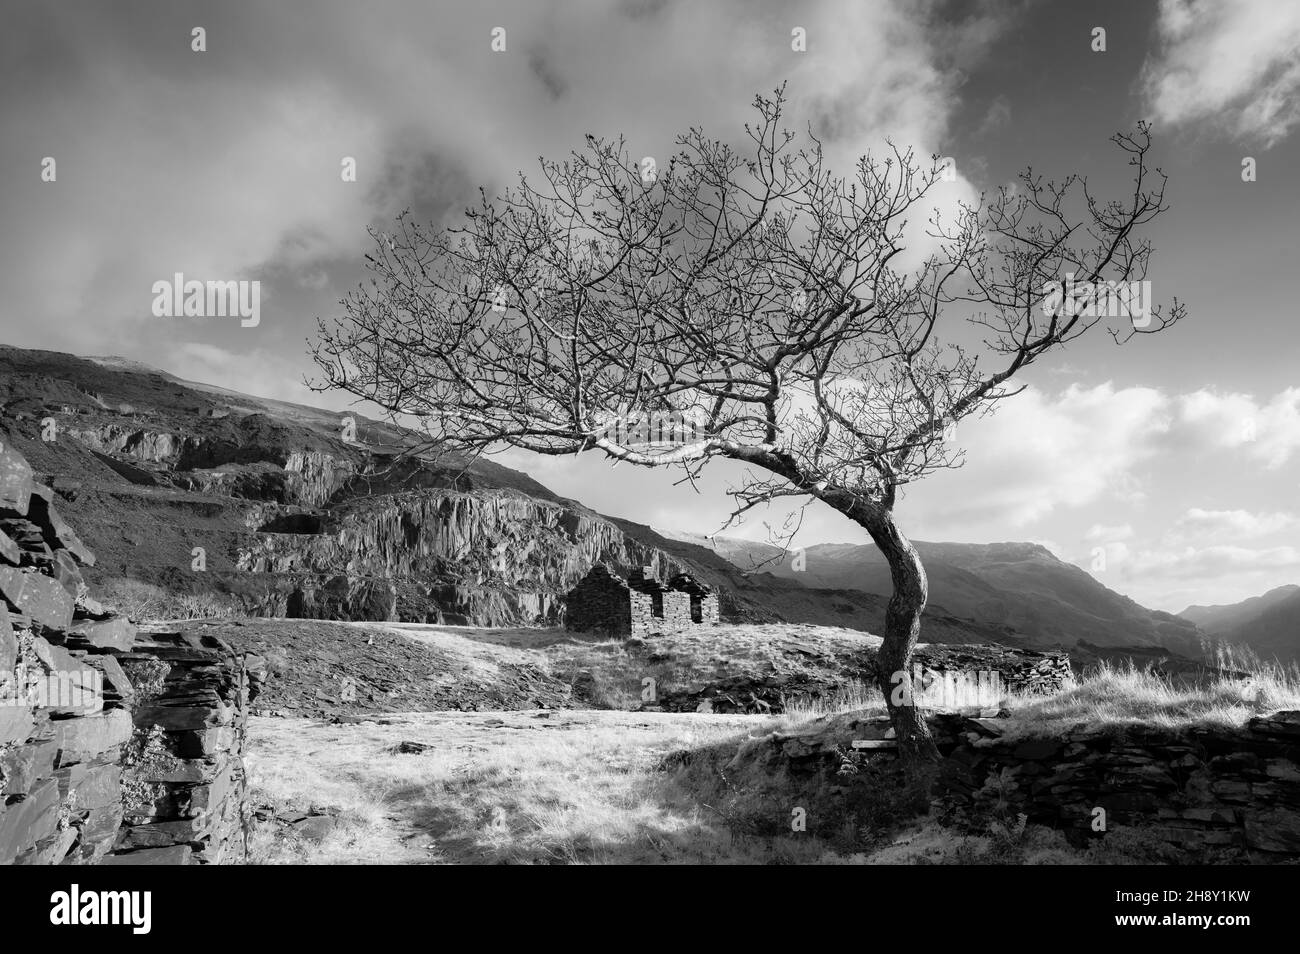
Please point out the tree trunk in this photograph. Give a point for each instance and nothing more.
(902, 627)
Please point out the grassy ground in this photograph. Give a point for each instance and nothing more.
(1113, 697)
(547, 787)
(795, 663)
(516, 787)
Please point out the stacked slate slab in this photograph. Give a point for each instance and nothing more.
(185, 794)
(112, 747)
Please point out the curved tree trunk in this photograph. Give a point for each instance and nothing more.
(902, 627)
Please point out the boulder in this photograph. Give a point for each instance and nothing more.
(64, 569)
(9, 551)
(70, 687)
(8, 643)
(16, 724)
(316, 828)
(96, 786)
(57, 532)
(22, 766)
(1284, 722)
(39, 596)
(26, 822)
(81, 739)
(116, 632)
(50, 849)
(116, 681)
(1276, 830)
(15, 480)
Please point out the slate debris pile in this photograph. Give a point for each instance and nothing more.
(325, 669)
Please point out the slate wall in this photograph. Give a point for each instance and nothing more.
(1206, 791)
(112, 747)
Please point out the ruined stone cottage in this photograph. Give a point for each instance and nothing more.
(641, 605)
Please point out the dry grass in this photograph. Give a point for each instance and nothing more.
(586, 788)
(147, 603)
(531, 788)
(590, 786)
(854, 696)
(1115, 697)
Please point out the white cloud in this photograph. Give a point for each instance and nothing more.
(256, 371)
(1222, 526)
(1232, 62)
(1268, 432)
(1042, 452)
(236, 175)
(1171, 577)
(1100, 531)
(1211, 562)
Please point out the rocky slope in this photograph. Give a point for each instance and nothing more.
(202, 501)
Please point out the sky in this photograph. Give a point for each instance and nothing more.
(1168, 468)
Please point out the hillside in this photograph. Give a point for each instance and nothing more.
(1220, 618)
(1269, 624)
(1022, 587)
(292, 520)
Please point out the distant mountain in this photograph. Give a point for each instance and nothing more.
(1226, 616)
(1269, 624)
(1021, 587)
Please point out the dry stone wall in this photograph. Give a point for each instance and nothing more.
(1205, 791)
(983, 676)
(601, 603)
(112, 747)
(184, 786)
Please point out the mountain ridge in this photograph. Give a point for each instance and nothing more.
(1020, 584)
(1269, 623)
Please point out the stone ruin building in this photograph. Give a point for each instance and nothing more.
(641, 605)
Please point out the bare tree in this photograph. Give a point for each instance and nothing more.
(760, 296)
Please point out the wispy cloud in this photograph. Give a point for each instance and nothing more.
(1234, 63)
(1228, 525)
